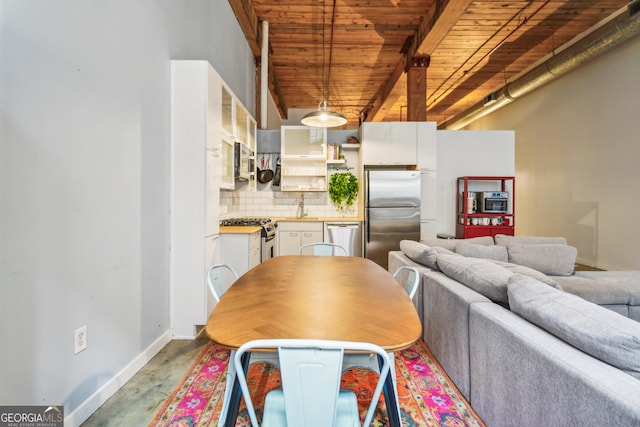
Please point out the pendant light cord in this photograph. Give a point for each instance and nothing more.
(324, 81)
(323, 117)
(333, 21)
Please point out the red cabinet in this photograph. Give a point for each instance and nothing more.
(471, 219)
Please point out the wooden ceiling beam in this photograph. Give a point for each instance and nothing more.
(248, 20)
(441, 23)
(249, 23)
(430, 33)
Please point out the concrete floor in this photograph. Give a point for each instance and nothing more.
(135, 404)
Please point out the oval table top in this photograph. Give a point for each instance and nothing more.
(318, 297)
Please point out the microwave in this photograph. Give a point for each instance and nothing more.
(243, 162)
(492, 201)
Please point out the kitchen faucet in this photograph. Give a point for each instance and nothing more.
(301, 213)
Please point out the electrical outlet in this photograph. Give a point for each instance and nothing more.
(81, 339)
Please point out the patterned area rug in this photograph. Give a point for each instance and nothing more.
(427, 396)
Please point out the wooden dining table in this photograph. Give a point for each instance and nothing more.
(317, 297)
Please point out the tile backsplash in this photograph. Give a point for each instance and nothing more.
(266, 202)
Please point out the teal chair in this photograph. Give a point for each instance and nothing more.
(411, 279)
(322, 249)
(310, 395)
(218, 278)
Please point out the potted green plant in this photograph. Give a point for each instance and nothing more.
(343, 189)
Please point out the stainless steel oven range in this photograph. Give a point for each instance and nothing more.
(268, 240)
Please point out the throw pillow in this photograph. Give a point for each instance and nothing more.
(443, 250)
(552, 259)
(484, 277)
(600, 332)
(530, 272)
(498, 253)
(452, 243)
(420, 253)
(504, 240)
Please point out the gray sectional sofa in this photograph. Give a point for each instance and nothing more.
(528, 341)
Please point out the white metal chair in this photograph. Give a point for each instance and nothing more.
(410, 283)
(215, 280)
(217, 287)
(411, 279)
(323, 249)
(310, 396)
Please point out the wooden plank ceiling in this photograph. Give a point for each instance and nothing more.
(475, 48)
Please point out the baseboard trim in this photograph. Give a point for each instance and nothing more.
(97, 399)
(591, 264)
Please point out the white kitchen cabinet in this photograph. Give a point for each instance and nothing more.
(240, 250)
(303, 158)
(252, 134)
(236, 125)
(427, 162)
(389, 143)
(226, 114)
(227, 178)
(375, 142)
(292, 235)
(428, 203)
(428, 194)
(212, 192)
(427, 145)
(195, 189)
(241, 124)
(428, 228)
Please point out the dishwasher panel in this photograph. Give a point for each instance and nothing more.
(346, 234)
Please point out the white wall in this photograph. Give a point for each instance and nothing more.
(469, 153)
(84, 185)
(577, 155)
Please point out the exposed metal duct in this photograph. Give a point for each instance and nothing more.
(622, 28)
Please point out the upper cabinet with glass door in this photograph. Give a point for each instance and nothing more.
(241, 124)
(304, 158)
(304, 142)
(237, 125)
(227, 179)
(227, 110)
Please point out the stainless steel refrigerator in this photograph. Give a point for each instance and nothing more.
(392, 210)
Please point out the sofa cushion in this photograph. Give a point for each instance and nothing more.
(595, 330)
(483, 276)
(598, 292)
(452, 243)
(552, 259)
(626, 279)
(498, 253)
(420, 253)
(504, 240)
(530, 272)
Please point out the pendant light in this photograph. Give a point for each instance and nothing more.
(324, 117)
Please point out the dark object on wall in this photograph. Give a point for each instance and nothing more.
(276, 178)
(265, 174)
